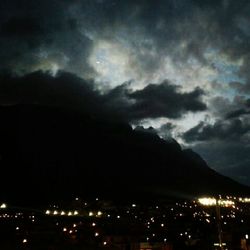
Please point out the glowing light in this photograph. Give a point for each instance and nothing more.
(64, 229)
(99, 213)
(55, 212)
(246, 236)
(91, 214)
(69, 213)
(93, 224)
(133, 205)
(62, 213)
(47, 212)
(96, 234)
(207, 201)
(4, 205)
(76, 213)
(104, 243)
(25, 241)
(17, 228)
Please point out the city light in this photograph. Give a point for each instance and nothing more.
(207, 201)
(3, 206)
(99, 213)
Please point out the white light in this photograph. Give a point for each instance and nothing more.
(104, 243)
(47, 212)
(55, 212)
(69, 213)
(207, 201)
(25, 241)
(17, 228)
(65, 229)
(99, 213)
(76, 213)
(246, 236)
(96, 234)
(62, 213)
(133, 205)
(91, 213)
(93, 224)
(3, 205)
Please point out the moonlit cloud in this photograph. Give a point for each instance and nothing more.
(126, 46)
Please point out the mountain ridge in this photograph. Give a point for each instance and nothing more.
(52, 153)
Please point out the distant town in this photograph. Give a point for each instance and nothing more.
(203, 223)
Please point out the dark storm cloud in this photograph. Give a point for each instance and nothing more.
(50, 35)
(237, 113)
(21, 27)
(68, 90)
(220, 130)
(34, 36)
(154, 101)
(65, 90)
(179, 29)
(164, 100)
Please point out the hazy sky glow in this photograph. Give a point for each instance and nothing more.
(201, 46)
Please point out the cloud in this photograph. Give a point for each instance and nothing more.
(237, 113)
(220, 130)
(68, 90)
(165, 100)
(202, 46)
(224, 144)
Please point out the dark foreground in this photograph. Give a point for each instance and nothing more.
(96, 224)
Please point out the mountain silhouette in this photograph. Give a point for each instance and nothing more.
(49, 153)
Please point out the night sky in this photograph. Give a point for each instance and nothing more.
(180, 66)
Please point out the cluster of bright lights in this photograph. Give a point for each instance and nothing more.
(62, 213)
(97, 214)
(207, 201)
(244, 200)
